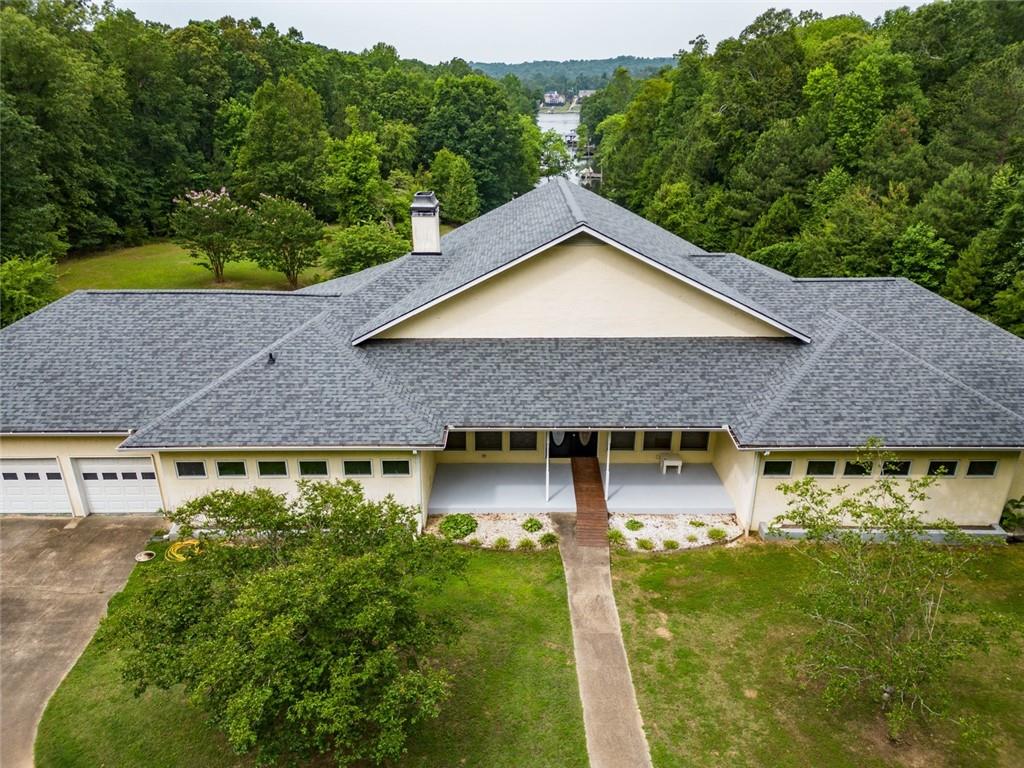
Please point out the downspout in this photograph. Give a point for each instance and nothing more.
(753, 494)
(547, 467)
(608, 465)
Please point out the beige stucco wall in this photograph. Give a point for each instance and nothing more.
(581, 288)
(66, 450)
(735, 469)
(964, 500)
(1017, 484)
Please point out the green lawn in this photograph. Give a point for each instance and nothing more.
(515, 700)
(708, 633)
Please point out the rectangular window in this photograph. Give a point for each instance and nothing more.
(188, 469)
(693, 441)
(31, 475)
(777, 468)
(10, 475)
(623, 441)
(487, 441)
(817, 468)
(858, 468)
(109, 475)
(313, 468)
(231, 469)
(657, 441)
(982, 468)
(53, 475)
(129, 475)
(522, 441)
(149, 475)
(272, 468)
(358, 468)
(456, 441)
(896, 468)
(396, 466)
(943, 467)
(94, 476)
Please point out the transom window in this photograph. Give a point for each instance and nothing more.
(657, 441)
(943, 468)
(777, 468)
(522, 441)
(693, 441)
(858, 468)
(313, 468)
(149, 475)
(53, 475)
(487, 441)
(35, 475)
(10, 475)
(456, 441)
(183, 468)
(623, 441)
(272, 468)
(358, 467)
(395, 467)
(820, 468)
(982, 468)
(129, 475)
(231, 469)
(896, 468)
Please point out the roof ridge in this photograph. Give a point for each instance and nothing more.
(570, 200)
(198, 292)
(181, 404)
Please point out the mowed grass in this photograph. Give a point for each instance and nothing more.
(708, 634)
(515, 699)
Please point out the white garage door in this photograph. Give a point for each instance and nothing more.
(118, 486)
(33, 487)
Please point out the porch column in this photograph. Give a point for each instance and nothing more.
(608, 465)
(547, 467)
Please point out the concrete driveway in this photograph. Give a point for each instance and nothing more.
(56, 576)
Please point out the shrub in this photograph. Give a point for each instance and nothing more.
(692, 538)
(457, 526)
(25, 286)
(697, 523)
(474, 542)
(532, 525)
(1013, 515)
(616, 537)
(634, 525)
(526, 544)
(670, 544)
(717, 534)
(645, 544)
(548, 539)
(501, 543)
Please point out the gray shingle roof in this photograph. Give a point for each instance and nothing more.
(190, 369)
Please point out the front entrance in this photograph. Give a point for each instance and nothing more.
(563, 445)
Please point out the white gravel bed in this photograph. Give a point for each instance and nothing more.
(688, 531)
(491, 527)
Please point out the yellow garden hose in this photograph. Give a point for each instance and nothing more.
(177, 552)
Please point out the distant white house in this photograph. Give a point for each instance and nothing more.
(553, 99)
(585, 94)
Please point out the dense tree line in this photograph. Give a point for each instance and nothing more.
(834, 146)
(107, 120)
(575, 74)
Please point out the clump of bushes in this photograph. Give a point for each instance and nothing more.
(692, 538)
(526, 544)
(548, 539)
(645, 544)
(454, 527)
(474, 542)
(670, 544)
(501, 543)
(697, 523)
(532, 525)
(634, 525)
(717, 534)
(616, 537)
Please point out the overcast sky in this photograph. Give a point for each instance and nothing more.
(502, 31)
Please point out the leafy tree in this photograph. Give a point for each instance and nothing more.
(890, 618)
(301, 627)
(452, 179)
(780, 223)
(921, 255)
(555, 159)
(361, 246)
(956, 206)
(283, 144)
(675, 208)
(284, 236)
(212, 227)
(25, 286)
(355, 190)
(1009, 304)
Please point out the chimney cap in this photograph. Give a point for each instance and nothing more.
(424, 204)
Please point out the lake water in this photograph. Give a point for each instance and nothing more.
(563, 122)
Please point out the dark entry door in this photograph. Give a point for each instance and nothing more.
(573, 444)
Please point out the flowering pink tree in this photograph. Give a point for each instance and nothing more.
(212, 227)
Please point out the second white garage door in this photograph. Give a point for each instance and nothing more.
(32, 487)
(118, 486)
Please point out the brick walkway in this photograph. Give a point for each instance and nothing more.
(591, 509)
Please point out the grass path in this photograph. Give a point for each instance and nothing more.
(515, 699)
(708, 633)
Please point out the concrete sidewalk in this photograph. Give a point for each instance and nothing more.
(55, 582)
(611, 717)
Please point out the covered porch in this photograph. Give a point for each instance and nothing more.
(494, 488)
(643, 489)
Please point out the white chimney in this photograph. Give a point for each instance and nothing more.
(426, 223)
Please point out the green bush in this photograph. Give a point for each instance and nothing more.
(717, 534)
(25, 286)
(670, 544)
(692, 538)
(645, 544)
(616, 537)
(526, 544)
(548, 539)
(634, 525)
(457, 526)
(501, 543)
(1013, 515)
(697, 523)
(532, 525)
(474, 542)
